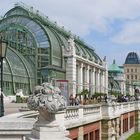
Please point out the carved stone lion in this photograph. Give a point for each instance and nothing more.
(46, 97)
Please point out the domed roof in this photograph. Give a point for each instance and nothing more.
(47, 33)
(114, 68)
(132, 58)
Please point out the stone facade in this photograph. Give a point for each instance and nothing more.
(84, 74)
(132, 72)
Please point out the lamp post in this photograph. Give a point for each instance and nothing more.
(3, 46)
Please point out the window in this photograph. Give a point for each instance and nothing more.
(135, 70)
(131, 121)
(127, 70)
(125, 125)
(91, 136)
(97, 134)
(86, 137)
(127, 76)
(131, 70)
(120, 128)
(131, 76)
(135, 76)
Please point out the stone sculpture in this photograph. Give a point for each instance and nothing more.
(47, 100)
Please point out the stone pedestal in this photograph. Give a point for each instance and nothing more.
(47, 132)
(48, 101)
(47, 129)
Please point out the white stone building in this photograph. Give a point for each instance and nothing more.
(85, 72)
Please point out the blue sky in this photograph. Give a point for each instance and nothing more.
(112, 27)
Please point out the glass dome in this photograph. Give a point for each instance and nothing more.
(132, 58)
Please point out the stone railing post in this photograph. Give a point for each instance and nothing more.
(110, 122)
(81, 112)
(60, 118)
(81, 116)
(137, 116)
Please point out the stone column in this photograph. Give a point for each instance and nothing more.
(121, 124)
(71, 74)
(90, 82)
(107, 130)
(80, 133)
(110, 129)
(80, 78)
(93, 80)
(104, 129)
(103, 83)
(71, 67)
(87, 78)
(97, 81)
(117, 128)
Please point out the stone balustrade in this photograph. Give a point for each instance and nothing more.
(73, 116)
(119, 108)
(78, 115)
(79, 112)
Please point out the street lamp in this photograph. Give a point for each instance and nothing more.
(3, 46)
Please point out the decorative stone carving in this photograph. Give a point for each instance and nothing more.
(46, 97)
(71, 46)
(47, 100)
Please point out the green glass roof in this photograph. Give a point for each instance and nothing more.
(48, 33)
(17, 65)
(115, 68)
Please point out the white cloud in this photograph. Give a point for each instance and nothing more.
(130, 34)
(81, 17)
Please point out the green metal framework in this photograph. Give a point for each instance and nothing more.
(37, 46)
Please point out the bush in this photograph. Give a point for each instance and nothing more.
(84, 92)
(115, 94)
(98, 94)
(20, 99)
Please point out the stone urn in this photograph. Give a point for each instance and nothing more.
(47, 100)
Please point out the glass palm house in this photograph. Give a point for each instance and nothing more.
(35, 49)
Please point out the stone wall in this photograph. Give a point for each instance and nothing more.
(81, 121)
